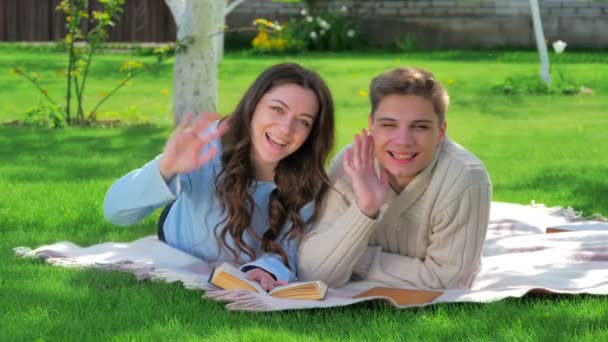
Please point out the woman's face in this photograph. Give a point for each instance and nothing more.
(281, 123)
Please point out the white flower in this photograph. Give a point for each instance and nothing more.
(304, 12)
(313, 35)
(350, 33)
(344, 9)
(559, 46)
(324, 25)
(309, 19)
(277, 26)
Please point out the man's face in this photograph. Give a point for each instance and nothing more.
(406, 134)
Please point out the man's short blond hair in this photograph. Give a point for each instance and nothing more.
(410, 81)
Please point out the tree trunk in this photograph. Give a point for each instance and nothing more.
(541, 45)
(196, 65)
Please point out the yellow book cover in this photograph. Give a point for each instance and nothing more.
(402, 296)
(228, 277)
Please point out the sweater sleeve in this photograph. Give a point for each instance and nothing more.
(138, 193)
(454, 252)
(340, 236)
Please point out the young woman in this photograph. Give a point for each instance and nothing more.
(244, 189)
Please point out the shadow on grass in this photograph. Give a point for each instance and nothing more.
(586, 189)
(31, 155)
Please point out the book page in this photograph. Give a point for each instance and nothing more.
(229, 277)
(309, 289)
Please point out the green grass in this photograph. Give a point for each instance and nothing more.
(545, 148)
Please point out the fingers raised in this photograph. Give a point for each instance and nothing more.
(356, 158)
(202, 122)
(186, 120)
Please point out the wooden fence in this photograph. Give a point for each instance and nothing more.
(38, 20)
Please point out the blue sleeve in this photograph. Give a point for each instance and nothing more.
(137, 194)
(272, 263)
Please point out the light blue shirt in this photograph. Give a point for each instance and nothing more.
(191, 223)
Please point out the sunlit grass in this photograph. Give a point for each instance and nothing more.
(550, 149)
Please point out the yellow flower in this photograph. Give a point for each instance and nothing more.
(260, 40)
(128, 65)
(450, 82)
(363, 93)
(164, 92)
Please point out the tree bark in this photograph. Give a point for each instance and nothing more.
(196, 64)
(541, 45)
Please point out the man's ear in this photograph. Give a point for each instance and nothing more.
(442, 130)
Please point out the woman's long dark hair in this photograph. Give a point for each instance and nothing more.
(300, 177)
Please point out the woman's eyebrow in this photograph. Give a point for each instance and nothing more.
(281, 102)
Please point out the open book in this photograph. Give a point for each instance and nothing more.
(579, 226)
(402, 296)
(228, 277)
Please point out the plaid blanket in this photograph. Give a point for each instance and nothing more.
(518, 258)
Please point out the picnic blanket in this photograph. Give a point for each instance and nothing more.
(518, 258)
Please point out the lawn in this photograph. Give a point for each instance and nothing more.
(550, 149)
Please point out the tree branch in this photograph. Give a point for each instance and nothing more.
(234, 4)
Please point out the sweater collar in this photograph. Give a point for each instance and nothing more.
(412, 192)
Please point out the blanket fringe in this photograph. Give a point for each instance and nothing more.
(570, 214)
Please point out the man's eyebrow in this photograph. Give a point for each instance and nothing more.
(380, 118)
(423, 121)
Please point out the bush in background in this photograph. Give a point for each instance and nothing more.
(332, 31)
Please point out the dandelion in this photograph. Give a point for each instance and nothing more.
(350, 33)
(559, 46)
(164, 92)
(450, 82)
(363, 93)
(313, 35)
(304, 12)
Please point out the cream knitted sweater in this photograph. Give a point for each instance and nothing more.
(428, 236)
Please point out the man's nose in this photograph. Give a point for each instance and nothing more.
(404, 137)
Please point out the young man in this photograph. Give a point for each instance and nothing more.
(411, 207)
